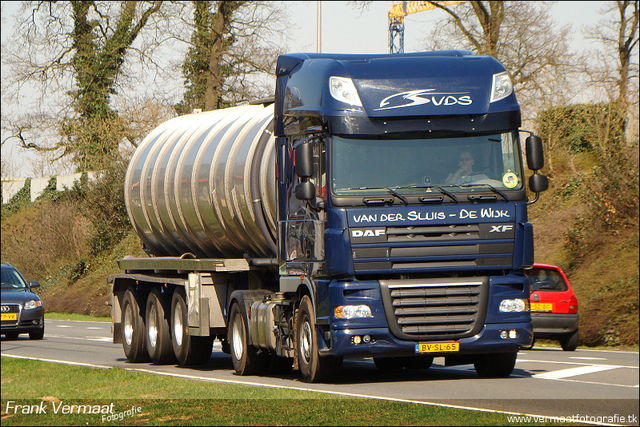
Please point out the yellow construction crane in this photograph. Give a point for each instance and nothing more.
(396, 19)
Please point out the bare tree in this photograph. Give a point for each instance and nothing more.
(615, 69)
(522, 36)
(232, 44)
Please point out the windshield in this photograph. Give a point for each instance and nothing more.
(12, 280)
(365, 166)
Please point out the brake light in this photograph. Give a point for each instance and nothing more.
(573, 304)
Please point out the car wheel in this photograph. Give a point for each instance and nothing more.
(37, 334)
(418, 362)
(570, 342)
(11, 335)
(158, 330)
(495, 365)
(313, 368)
(389, 363)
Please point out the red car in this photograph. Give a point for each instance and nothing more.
(554, 306)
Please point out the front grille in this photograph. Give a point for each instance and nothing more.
(435, 308)
(8, 309)
(441, 247)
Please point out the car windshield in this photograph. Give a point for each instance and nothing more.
(541, 279)
(12, 280)
(368, 166)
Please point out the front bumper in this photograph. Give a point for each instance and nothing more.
(384, 344)
(28, 321)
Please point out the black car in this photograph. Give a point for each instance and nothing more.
(22, 309)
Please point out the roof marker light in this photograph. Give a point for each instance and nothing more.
(502, 86)
(343, 89)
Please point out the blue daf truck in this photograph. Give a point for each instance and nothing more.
(375, 207)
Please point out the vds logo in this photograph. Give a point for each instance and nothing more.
(501, 228)
(413, 98)
(368, 233)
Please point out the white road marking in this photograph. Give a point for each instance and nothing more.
(95, 328)
(101, 339)
(63, 326)
(589, 358)
(572, 372)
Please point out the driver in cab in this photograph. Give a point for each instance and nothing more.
(464, 174)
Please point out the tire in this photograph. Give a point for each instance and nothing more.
(189, 350)
(496, 365)
(159, 343)
(37, 334)
(313, 368)
(11, 335)
(247, 360)
(570, 342)
(133, 330)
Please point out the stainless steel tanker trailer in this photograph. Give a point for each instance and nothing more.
(336, 221)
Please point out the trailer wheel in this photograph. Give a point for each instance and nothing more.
(497, 365)
(313, 368)
(189, 350)
(133, 329)
(159, 343)
(245, 357)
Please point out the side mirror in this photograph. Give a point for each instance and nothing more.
(34, 284)
(304, 160)
(538, 183)
(305, 190)
(535, 153)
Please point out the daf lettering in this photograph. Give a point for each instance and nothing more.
(367, 233)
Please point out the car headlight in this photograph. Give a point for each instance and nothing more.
(352, 311)
(32, 304)
(514, 305)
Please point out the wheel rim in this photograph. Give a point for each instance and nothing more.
(305, 341)
(178, 330)
(153, 326)
(236, 338)
(128, 325)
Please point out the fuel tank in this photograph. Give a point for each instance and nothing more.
(205, 184)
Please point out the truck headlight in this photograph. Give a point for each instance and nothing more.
(343, 89)
(514, 305)
(32, 304)
(502, 86)
(352, 311)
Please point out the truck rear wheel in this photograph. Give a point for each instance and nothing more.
(313, 368)
(497, 365)
(159, 343)
(133, 329)
(189, 350)
(245, 357)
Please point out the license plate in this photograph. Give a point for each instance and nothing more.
(437, 347)
(541, 306)
(9, 316)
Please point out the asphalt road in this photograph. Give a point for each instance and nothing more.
(599, 385)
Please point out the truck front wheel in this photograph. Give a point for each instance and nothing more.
(245, 357)
(133, 329)
(497, 365)
(189, 350)
(313, 368)
(158, 330)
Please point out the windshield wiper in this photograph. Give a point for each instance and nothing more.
(398, 195)
(491, 187)
(440, 189)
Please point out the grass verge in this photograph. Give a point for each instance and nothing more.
(76, 317)
(118, 396)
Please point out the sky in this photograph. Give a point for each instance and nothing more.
(346, 29)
